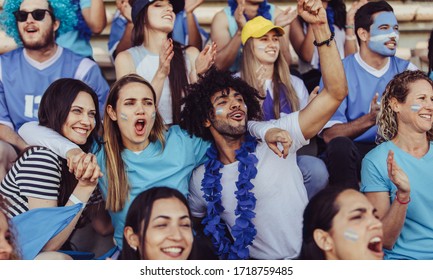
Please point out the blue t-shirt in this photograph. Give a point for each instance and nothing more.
(24, 80)
(171, 167)
(118, 26)
(72, 39)
(416, 237)
(363, 85)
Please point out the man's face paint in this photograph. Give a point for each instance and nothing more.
(219, 111)
(384, 34)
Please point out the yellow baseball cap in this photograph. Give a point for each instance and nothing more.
(257, 27)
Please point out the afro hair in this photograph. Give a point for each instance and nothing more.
(197, 103)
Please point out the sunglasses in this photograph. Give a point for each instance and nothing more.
(38, 15)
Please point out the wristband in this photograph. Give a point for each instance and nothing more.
(350, 37)
(399, 201)
(327, 42)
(75, 200)
(349, 26)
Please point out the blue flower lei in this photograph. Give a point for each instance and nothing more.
(243, 231)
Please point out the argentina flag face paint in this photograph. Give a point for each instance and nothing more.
(384, 34)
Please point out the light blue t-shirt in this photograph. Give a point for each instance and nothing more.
(431, 76)
(72, 40)
(363, 85)
(416, 237)
(24, 80)
(153, 167)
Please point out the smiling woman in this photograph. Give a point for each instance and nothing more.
(158, 226)
(403, 198)
(40, 180)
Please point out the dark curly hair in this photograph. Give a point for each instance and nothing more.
(198, 107)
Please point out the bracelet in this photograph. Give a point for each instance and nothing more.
(75, 200)
(399, 201)
(349, 26)
(350, 37)
(327, 42)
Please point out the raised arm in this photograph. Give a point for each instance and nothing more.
(126, 39)
(392, 215)
(313, 117)
(194, 37)
(228, 47)
(302, 42)
(284, 18)
(95, 16)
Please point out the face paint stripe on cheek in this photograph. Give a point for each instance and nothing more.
(123, 116)
(153, 115)
(415, 107)
(219, 111)
(350, 235)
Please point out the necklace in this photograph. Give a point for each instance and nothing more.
(243, 231)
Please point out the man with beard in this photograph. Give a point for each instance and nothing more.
(351, 132)
(259, 196)
(26, 72)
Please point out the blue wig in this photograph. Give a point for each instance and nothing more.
(64, 11)
(263, 9)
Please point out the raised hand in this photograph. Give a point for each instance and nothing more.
(276, 135)
(350, 16)
(286, 17)
(125, 10)
(397, 175)
(206, 58)
(191, 5)
(165, 56)
(312, 11)
(239, 14)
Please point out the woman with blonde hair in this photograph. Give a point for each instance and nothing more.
(265, 69)
(403, 199)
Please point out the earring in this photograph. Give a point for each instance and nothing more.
(133, 248)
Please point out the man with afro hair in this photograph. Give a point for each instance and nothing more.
(259, 196)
